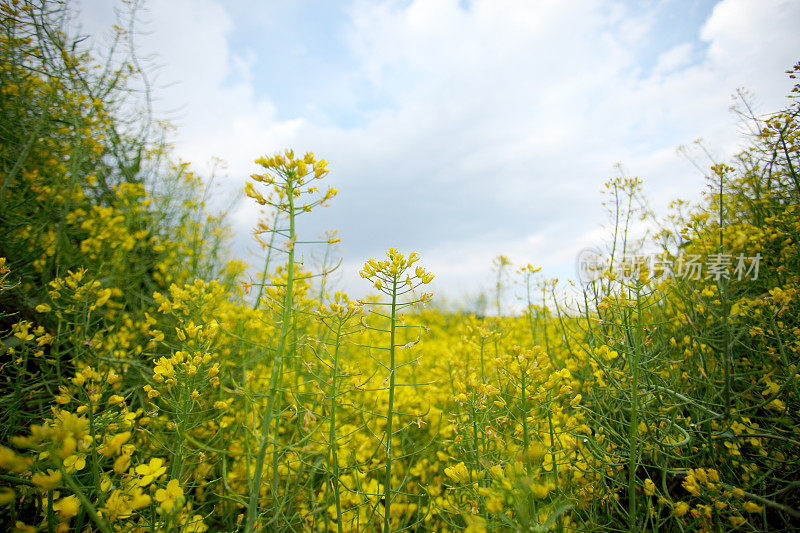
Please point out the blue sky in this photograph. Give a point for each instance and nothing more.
(462, 129)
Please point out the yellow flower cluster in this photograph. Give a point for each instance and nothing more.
(394, 273)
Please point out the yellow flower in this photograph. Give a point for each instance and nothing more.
(737, 521)
(649, 487)
(196, 525)
(681, 508)
(113, 445)
(121, 504)
(48, 481)
(540, 490)
(22, 527)
(122, 463)
(151, 471)
(494, 505)
(74, 463)
(475, 524)
(9, 460)
(138, 499)
(7, 495)
(690, 484)
(171, 497)
(67, 507)
(458, 473)
(752, 507)
(115, 399)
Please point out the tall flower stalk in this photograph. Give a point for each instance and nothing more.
(288, 179)
(394, 278)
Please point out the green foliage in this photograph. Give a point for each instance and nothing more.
(143, 390)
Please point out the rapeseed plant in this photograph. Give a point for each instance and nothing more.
(147, 386)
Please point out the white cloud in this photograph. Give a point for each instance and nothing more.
(491, 124)
(674, 58)
(202, 85)
(750, 37)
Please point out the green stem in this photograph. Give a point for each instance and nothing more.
(633, 428)
(477, 453)
(524, 397)
(552, 436)
(255, 488)
(266, 263)
(387, 498)
(334, 455)
(726, 359)
(90, 509)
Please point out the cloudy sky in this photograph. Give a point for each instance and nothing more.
(462, 129)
